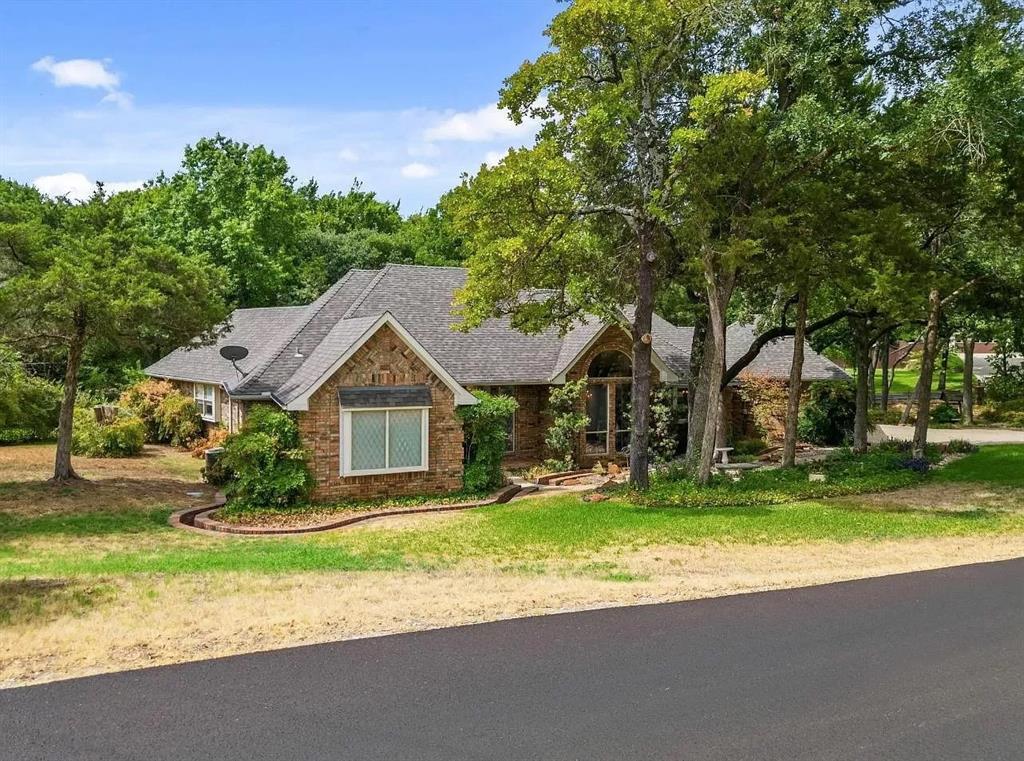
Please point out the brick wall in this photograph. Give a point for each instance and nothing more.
(384, 360)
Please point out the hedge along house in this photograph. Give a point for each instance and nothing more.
(375, 371)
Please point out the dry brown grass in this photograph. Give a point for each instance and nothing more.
(147, 621)
(160, 476)
(942, 497)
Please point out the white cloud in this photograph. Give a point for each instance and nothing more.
(418, 171)
(119, 99)
(348, 154)
(86, 72)
(77, 187)
(486, 123)
(493, 158)
(78, 72)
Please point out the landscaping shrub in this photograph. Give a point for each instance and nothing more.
(486, 435)
(827, 416)
(664, 425)
(29, 406)
(845, 471)
(215, 437)
(144, 399)
(945, 414)
(123, 437)
(1010, 413)
(917, 464)
(267, 462)
(767, 398)
(177, 419)
(216, 472)
(748, 447)
(568, 421)
(1006, 386)
(961, 446)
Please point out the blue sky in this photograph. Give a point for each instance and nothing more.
(399, 94)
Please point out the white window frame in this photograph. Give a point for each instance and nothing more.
(346, 441)
(199, 396)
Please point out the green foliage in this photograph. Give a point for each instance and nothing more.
(748, 447)
(123, 437)
(664, 425)
(177, 420)
(961, 446)
(1009, 413)
(486, 435)
(567, 423)
(144, 399)
(1006, 385)
(827, 416)
(267, 462)
(945, 414)
(844, 471)
(215, 471)
(28, 405)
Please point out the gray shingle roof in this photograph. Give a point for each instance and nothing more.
(292, 347)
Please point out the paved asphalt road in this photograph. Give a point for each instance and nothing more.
(925, 666)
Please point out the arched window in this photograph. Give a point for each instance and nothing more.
(610, 364)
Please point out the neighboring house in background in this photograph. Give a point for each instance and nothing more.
(375, 372)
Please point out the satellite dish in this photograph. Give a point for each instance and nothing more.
(234, 353)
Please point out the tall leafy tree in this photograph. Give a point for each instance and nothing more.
(237, 206)
(96, 278)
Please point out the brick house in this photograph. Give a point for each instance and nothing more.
(375, 372)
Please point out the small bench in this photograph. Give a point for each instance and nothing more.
(722, 455)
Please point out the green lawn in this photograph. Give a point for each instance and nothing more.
(905, 381)
(551, 529)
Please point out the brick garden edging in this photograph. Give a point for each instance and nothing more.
(201, 518)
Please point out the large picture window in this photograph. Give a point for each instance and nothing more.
(384, 440)
(205, 395)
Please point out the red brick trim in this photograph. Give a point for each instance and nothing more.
(202, 518)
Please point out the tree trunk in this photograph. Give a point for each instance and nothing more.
(62, 470)
(872, 373)
(639, 478)
(695, 414)
(967, 407)
(719, 289)
(885, 372)
(924, 385)
(944, 370)
(905, 415)
(862, 359)
(796, 374)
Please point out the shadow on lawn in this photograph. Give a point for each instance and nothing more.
(27, 600)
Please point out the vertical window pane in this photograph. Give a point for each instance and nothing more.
(623, 399)
(405, 439)
(368, 440)
(597, 411)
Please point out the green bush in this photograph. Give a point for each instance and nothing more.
(945, 414)
(961, 446)
(267, 462)
(828, 414)
(747, 447)
(124, 437)
(1009, 413)
(17, 435)
(215, 472)
(845, 473)
(486, 431)
(143, 399)
(29, 406)
(177, 420)
(1006, 386)
(665, 420)
(567, 423)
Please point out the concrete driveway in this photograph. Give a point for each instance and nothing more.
(942, 435)
(900, 668)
